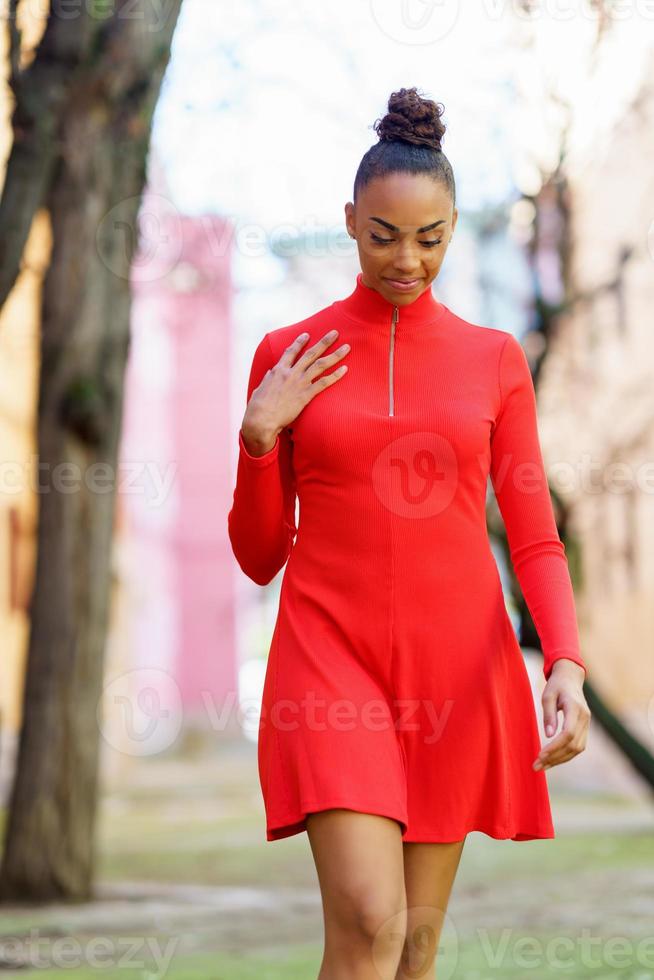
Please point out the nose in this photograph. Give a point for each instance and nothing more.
(407, 259)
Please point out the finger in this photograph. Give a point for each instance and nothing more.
(317, 349)
(326, 361)
(555, 759)
(325, 380)
(550, 713)
(571, 739)
(554, 748)
(573, 750)
(571, 711)
(561, 741)
(293, 349)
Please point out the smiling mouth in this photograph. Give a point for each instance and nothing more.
(403, 282)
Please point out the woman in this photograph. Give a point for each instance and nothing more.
(397, 713)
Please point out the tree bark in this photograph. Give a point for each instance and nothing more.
(80, 151)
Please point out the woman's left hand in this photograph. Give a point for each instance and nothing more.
(564, 691)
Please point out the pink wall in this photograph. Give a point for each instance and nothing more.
(176, 431)
(206, 657)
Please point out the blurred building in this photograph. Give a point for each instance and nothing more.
(596, 388)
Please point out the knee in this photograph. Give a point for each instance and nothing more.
(374, 917)
(381, 922)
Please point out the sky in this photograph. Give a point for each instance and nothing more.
(268, 107)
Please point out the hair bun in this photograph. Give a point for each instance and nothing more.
(412, 118)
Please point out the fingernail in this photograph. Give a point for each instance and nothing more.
(549, 729)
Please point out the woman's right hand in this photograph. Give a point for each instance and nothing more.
(286, 388)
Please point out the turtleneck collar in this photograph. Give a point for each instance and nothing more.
(367, 305)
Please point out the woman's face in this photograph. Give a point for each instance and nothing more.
(387, 221)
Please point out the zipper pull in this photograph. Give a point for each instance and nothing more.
(391, 349)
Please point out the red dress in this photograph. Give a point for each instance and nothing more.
(395, 683)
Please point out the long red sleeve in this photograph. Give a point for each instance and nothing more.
(520, 484)
(261, 523)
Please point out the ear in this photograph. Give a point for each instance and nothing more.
(349, 218)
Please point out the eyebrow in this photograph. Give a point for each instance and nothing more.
(391, 227)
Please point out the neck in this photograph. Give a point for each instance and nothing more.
(367, 305)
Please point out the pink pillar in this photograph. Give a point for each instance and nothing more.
(176, 436)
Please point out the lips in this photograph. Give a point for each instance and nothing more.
(403, 283)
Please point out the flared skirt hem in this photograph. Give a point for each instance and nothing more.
(296, 823)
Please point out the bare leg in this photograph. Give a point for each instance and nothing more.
(360, 866)
(429, 872)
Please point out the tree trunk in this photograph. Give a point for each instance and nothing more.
(90, 180)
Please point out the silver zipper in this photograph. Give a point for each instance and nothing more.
(391, 349)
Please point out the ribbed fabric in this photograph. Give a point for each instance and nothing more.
(395, 683)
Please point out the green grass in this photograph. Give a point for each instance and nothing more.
(229, 854)
(493, 955)
(299, 963)
(551, 858)
(525, 956)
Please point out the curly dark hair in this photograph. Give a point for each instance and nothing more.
(410, 136)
